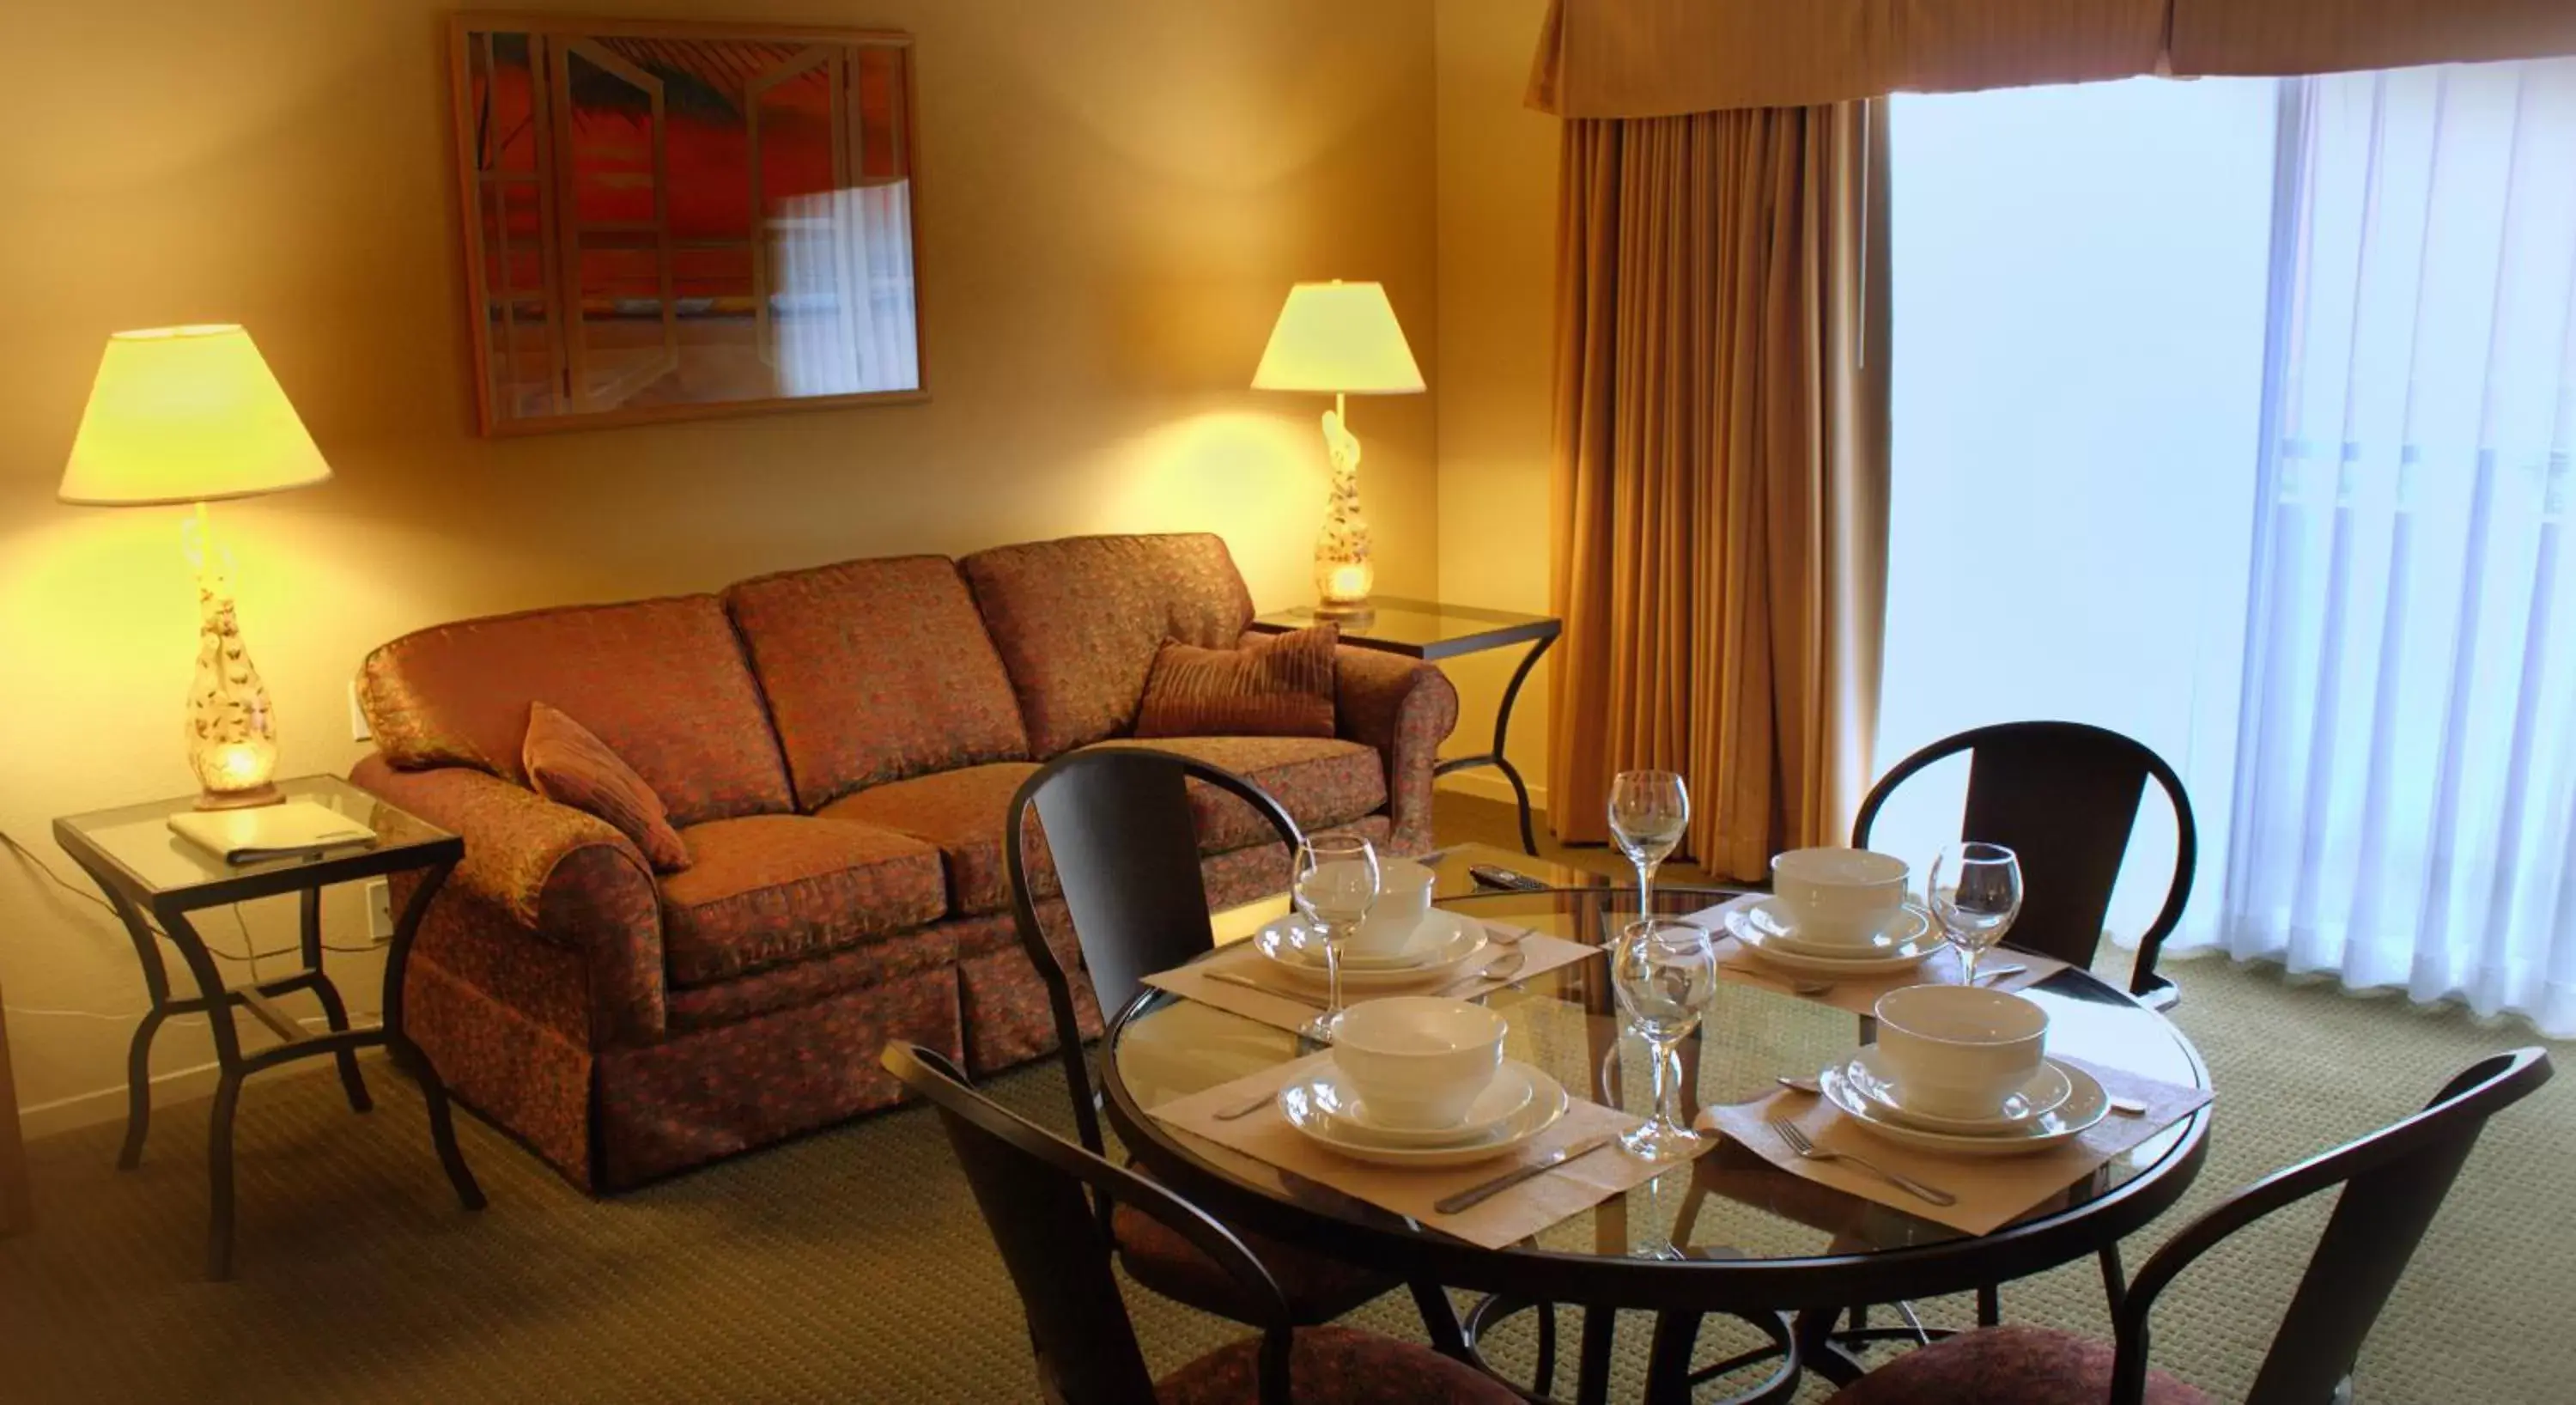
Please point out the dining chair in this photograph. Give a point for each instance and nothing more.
(2393, 1181)
(1117, 835)
(2064, 796)
(1033, 1189)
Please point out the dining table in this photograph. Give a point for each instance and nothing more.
(1726, 1235)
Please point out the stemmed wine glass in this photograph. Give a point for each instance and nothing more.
(1664, 972)
(1975, 892)
(1334, 883)
(1649, 810)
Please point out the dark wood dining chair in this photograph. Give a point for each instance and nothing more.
(1032, 1187)
(2393, 1181)
(1117, 836)
(2064, 796)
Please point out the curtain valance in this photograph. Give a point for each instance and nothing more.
(1654, 58)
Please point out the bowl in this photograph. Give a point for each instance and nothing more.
(1403, 900)
(1958, 1051)
(1838, 897)
(1418, 1061)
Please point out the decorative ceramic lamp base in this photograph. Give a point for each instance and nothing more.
(1343, 574)
(231, 733)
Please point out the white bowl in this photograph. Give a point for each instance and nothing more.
(1839, 897)
(1958, 1051)
(1417, 1061)
(1403, 899)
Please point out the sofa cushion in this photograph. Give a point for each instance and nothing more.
(766, 889)
(1320, 781)
(1077, 622)
(1271, 685)
(875, 671)
(962, 812)
(662, 682)
(570, 766)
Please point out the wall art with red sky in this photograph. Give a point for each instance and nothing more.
(666, 220)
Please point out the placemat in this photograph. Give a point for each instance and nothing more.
(1859, 994)
(1508, 1218)
(1992, 1192)
(1289, 1007)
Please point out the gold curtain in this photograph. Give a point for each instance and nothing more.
(1719, 490)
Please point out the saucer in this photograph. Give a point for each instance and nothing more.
(1302, 1103)
(1511, 1090)
(1902, 956)
(2085, 1105)
(2046, 1092)
(1902, 929)
(1444, 942)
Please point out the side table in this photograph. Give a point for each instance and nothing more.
(154, 879)
(17, 1205)
(1432, 631)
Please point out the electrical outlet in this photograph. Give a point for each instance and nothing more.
(380, 911)
(358, 729)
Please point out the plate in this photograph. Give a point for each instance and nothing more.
(1299, 1103)
(1443, 943)
(1903, 928)
(2046, 1092)
(2084, 1106)
(1749, 935)
(1511, 1090)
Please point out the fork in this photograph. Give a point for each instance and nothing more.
(1795, 1137)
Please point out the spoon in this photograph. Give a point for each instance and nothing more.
(1501, 968)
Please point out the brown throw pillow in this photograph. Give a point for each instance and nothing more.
(1281, 686)
(570, 766)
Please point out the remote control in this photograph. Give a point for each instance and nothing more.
(1495, 876)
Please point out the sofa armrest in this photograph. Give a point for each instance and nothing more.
(1405, 708)
(552, 874)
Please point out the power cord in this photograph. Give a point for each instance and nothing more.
(250, 958)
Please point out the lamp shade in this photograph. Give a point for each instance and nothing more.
(186, 414)
(1338, 337)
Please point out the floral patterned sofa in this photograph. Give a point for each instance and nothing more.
(838, 746)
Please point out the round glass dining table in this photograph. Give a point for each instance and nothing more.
(1725, 1233)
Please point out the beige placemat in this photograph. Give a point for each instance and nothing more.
(1508, 1218)
(1293, 1004)
(1860, 994)
(1992, 1192)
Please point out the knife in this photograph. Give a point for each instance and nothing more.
(1476, 1195)
(1248, 983)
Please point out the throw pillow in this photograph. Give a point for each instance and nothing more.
(569, 765)
(1279, 686)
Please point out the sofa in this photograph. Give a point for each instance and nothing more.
(837, 747)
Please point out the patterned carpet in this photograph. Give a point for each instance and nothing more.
(850, 1265)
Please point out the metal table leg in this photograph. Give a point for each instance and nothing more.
(408, 1057)
(1497, 758)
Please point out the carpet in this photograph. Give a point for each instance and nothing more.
(851, 1266)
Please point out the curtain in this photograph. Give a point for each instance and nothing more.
(842, 317)
(1719, 477)
(2404, 807)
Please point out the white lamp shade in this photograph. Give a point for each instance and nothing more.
(187, 414)
(1341, 338)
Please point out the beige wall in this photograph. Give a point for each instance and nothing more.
(1115, 196)
(1497, 251)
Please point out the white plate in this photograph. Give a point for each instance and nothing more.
(1304, 1109)
(1902, 929)
(2084, 1107)
(1443, 943)
(1749, 935)
(2046, 1092)
(1511, 1090)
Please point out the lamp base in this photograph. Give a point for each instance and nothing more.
(1359, 614)
(240, 799)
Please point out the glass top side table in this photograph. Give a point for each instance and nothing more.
(154, 879)
(1432, 631)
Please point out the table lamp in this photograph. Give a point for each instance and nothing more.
(1343, 338)
(192, 415)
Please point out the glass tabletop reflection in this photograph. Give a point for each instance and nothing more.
(1727, 1204)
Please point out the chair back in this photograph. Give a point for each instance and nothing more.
(2393, 1181)
(2064, 796)
(1031, 1186)
(1118, 825)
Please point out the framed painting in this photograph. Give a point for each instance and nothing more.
(668, 221)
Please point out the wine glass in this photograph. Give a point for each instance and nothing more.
(1335, 882)
(1664, 972)
(1649, 810)
(1975, 893)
